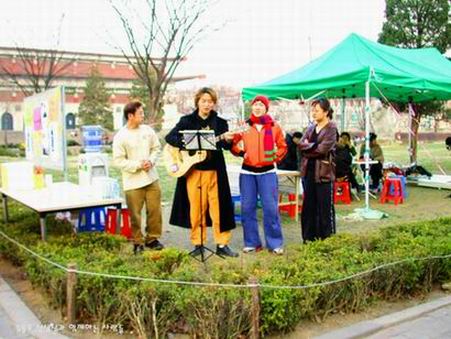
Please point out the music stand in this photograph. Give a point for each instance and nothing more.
(200, 140)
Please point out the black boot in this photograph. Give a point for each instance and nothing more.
(225, 251)
(138, 248)
(154, 245)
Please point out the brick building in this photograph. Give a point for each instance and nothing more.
(116, 72)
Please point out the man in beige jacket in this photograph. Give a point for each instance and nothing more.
(135, 151)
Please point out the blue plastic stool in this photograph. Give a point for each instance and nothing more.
(91, 220)
(403, 185)
(236, 199)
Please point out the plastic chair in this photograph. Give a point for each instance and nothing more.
(111, 222)
(236, 198)
(289, 207)
(91, 220)
(342, 192)
(403, 185)
(392, 191)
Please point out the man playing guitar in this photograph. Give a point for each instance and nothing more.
(190, 207)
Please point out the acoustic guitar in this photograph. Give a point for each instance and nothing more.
(178, 162)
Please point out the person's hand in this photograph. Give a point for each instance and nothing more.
(146, 165)
(228, 136)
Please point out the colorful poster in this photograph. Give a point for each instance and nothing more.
(45, 139)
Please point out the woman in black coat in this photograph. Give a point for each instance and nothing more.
(194, 208)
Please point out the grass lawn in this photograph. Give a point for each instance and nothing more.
(431, 156)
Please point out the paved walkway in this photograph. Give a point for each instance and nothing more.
(17, 321)
(436, 324)
(430, 320)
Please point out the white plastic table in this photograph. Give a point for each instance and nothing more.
(61, 196)
(436, 181)
(286, 178)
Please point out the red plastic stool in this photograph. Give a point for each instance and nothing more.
(290, 208)
(342, 192)
(395, 195)
(111, 222)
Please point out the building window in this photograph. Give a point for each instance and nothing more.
(17, 108)
(70, 121)
(7, 121)
(118, 109)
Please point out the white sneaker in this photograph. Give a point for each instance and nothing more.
(278, 251)
(249, 249)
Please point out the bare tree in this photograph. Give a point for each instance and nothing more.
(159, 38)
(34, 70)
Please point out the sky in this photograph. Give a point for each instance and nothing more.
(258, 39)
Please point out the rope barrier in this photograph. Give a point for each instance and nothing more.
(206, 284)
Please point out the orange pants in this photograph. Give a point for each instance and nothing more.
(202, 189)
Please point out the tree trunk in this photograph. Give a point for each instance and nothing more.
(152, 110)
(155, 114)
(414, 126)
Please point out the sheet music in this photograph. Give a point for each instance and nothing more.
(199, 139)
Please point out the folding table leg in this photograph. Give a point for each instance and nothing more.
(43, 228)
(5, 208)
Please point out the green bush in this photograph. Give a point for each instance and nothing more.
(152, 308)
(72, 142)
(8, 151)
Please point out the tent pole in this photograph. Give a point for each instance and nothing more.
(411, 113)
(342, 117)
(242, 105)
(367, 145)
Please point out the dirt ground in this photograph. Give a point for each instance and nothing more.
(421, 204)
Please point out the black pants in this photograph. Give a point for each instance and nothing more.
(349, 177)
(375, 174)
(318, 213)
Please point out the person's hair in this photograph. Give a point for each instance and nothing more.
(373, 136)
(297, 135)
(325, 106)
(202, 91)
(131, 108)
(448, 143)
(346, 134)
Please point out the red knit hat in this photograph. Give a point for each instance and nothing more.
(264, 100)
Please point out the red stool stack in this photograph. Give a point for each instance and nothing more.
(290, 207)
(111, 222)
(342, 192)
(395, 195)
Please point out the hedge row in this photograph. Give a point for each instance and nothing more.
(148, 308)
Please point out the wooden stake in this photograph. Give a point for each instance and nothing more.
(70, 296)
(255, 330)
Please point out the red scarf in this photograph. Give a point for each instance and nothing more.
(268, 140)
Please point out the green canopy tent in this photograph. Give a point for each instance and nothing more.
(359, 68)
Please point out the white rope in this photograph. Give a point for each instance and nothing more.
(32, 252)
(195, 283)
(302, 97)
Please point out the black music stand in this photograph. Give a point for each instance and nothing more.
(200, 140)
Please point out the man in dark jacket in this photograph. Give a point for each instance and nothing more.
(200, 193)
(343, 160)
(292, 159)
